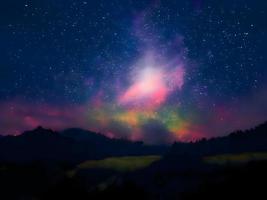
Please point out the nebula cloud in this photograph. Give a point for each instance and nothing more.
(152, 84)
(162, 73)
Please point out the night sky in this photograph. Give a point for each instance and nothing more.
(156, 71)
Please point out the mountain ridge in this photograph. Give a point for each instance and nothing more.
(254, 139)
(73, 145)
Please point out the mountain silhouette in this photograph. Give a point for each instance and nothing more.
(39, 144)
(84, 135)
(76, 145)
(72, 145)
(251, 140)
(181, 173)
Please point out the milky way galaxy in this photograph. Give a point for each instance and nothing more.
(157, 71)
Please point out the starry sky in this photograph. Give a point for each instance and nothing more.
(151, 70)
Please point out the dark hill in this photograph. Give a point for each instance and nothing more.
(251, 140)
(39, 144)
(83, 135)
(72, 145)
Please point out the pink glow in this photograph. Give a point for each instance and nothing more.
(149, 90)
(152, 86)
(17, 116)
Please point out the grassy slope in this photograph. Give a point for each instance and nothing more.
(120, 164)
(235, 158)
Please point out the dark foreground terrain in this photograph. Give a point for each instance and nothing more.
(47, 165)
